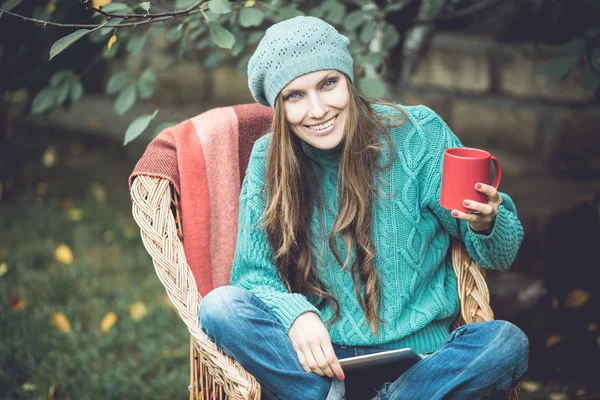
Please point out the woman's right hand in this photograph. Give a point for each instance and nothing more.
(312, 344)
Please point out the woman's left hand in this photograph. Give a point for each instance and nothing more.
(485, 213)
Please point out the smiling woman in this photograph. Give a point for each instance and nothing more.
(342, 241)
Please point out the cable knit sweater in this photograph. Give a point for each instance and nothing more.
(411, 234)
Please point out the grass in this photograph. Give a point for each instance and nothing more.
(81, 201)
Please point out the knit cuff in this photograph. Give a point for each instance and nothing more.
(288, 306)
(498, 249)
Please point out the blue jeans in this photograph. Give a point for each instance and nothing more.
(477, 360)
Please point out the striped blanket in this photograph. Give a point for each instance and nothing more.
(205, 158)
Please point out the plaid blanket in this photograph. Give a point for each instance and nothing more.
(205, 158)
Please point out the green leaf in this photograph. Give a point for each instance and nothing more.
(219, 6)
(251, 17)
(213, 60)
(336, 12)
(145, 83)
(10, 4)
(62, 91)
(221, 36)
(353, 20)
(117, 82)
(574, 47)
(58, 77)
(144, 5)
(372, 59)
(44, 100)
(557, 67)
(181, 4)
(391, 37)
(318, 11)
(590, 80)
(595, 59)
(175, 33)
(367, 33)
(76, 91)
(196, 33)
(372, 87)
(362, 3)
(240, 43)
(255, 37)
(138, 126)
(63, 43)
(242, 66)
(115, 6)
(396, 6)
(288, 12)
(125, 100)
(212, 16)
(162, 126)
(136, 44)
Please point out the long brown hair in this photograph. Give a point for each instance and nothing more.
(290, 200)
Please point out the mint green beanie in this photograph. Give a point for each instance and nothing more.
(292, 48)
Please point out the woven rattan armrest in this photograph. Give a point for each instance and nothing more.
(154, 203)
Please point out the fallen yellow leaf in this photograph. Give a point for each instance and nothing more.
(61, 322)
(99, 3)
(63, 254)
(98, 192)
(530, 386)
(16, 303)
(558, 396)
(111, 41)
(75, 214)
(68, 203)
(52, 6)
(108, 236)
(555, 303)
(3, 269)
(577, 298)
(591, 327)
(137, 310)
(51, 390)
(29, 387)
(130, 231)
(250, 3)
(552, 340)
(49, 157)
(41, 188)
(109, 320)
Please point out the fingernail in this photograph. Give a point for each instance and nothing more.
(467, 203)
(455, 213)
(478, 186)
(342, 377)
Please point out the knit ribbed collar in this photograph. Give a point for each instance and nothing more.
(325, 158)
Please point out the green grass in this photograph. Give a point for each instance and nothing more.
(111, 270)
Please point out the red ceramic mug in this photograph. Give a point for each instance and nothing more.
(463, 168)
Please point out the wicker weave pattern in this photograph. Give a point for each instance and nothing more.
(151, 209)
(214, 375)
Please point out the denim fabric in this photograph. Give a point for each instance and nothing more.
(476, 361)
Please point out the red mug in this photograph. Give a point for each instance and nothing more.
(463, 168)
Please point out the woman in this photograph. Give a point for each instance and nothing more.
(342, 243)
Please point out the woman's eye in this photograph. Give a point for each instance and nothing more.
(291, 96)
(329, 83)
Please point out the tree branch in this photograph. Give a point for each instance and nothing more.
(127, 24)
(184, 12)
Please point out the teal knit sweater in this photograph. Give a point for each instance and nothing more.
(411, 234)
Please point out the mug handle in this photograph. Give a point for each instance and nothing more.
(497, 172)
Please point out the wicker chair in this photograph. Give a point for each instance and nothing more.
(214, 375)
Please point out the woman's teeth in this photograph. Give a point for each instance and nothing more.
(323, 126)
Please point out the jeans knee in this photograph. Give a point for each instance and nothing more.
(218, 307)
(512, 344)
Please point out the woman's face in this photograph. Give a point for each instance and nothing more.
(316, 105)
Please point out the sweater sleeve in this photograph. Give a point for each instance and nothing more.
(498, 248)
(253, 267)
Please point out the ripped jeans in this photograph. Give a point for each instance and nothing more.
(480, 360)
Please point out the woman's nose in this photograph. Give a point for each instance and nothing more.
(318, 109)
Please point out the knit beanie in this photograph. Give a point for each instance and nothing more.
(292, 48)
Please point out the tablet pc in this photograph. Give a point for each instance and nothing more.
(406, 356)
(366, 375)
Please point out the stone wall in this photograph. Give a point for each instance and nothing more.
(544, 132)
